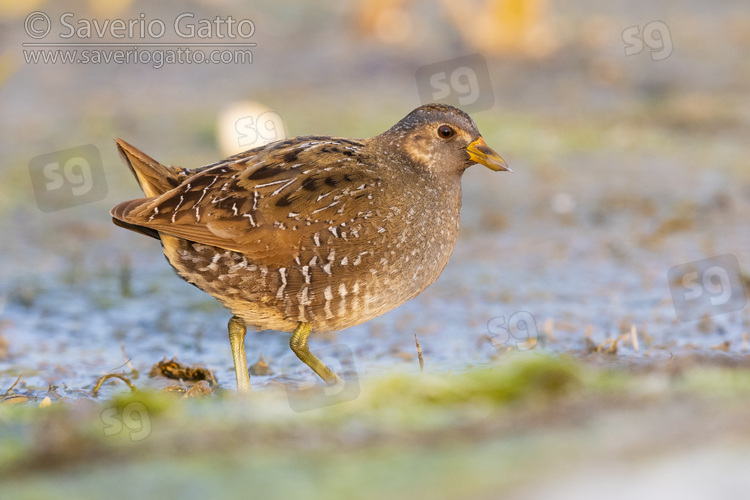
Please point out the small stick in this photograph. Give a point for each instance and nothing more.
(125, 276)
(634, 337)
(12, 386)
(419, 354)
(127, 359)
(549, 329)
(100, 381)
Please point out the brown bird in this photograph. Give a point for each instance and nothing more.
(313, 233)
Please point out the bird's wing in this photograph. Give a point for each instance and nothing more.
(268, 202)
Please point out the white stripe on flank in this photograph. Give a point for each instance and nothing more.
(306, 273)
(280, 293)
(252, 221)
(329, 297)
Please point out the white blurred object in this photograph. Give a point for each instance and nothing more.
(563, 203)
(247, 124)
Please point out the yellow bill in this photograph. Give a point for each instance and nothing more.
(481, 153)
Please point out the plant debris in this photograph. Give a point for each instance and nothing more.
(200, 389)
(175, 370)
(419, 354)
(261, 368)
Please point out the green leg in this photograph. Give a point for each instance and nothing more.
(298, 343)
(237, 332)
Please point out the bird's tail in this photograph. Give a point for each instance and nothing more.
(153, 177)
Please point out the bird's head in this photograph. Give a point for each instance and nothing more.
(443, 138)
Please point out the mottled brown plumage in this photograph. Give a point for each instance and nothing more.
(313, 233)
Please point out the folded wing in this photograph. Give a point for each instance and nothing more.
(266, 202)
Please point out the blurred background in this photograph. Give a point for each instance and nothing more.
(625, 123)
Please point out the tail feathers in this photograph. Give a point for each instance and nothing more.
(122, 210)
(153, 177)
(138, 229)
(120, 213)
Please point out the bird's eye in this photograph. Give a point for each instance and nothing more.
(445, 131)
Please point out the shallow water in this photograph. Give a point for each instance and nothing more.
(624, 167)
(569, 281)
